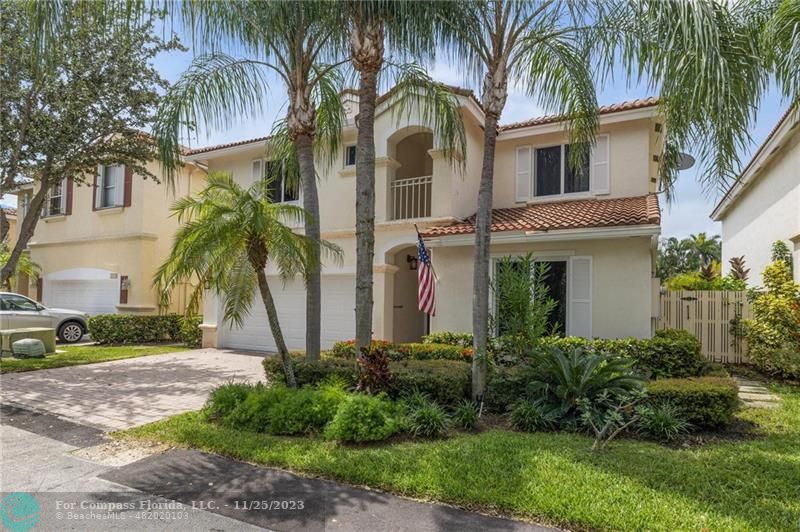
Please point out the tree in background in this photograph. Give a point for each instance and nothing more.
(781, 252)
(228, 236)
(707, 248)
(25, 266)
(289, 39)
(687, 255)
(545, 48)
(78, 103)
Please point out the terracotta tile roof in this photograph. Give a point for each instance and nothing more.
(605, 109)
(576, 214)
(226, 145)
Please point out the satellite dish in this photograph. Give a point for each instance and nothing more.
(685, 161)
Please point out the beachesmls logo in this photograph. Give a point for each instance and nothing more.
(20, 511)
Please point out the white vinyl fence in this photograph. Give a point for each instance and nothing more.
(708, 315)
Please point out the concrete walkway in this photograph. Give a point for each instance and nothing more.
(134, 391)
(753, 394)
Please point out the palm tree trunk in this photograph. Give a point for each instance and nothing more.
(308, 177)
(367, 52)
(275, 327)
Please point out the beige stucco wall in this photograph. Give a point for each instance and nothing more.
(768, 210)
(130, 241)
(621, 283)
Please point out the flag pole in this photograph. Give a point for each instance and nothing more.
(433, 270)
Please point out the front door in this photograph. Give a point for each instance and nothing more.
(21, 312)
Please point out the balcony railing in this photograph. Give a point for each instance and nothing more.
(411, 197)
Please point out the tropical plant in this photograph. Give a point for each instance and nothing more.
(374, 375)
(773, 334)
(781, 252)
(81, 103)
(465, 414)
(663, 421)
(708, 249)
(543, 48)
(739, 271)
(523, 306)
(709, 271)
(562, 378)
(426, 419)
(608, 414)
(533, 416)
(25, 266)
(289, 39)
(228, 236)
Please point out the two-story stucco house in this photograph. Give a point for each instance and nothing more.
(100, 243)
(763, 204)
(597, 229)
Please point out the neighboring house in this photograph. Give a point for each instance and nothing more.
(99, 244)
(11, 216)
(763, 204)
(597, 228)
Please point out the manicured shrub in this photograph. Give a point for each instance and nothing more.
(306, 410)
(430, 351)
(362, 418)
(670, 353)
(191, 333)
(134, 329)
(347, 348)
(705, 402)
(444, 381)
(225, 398)
(463, 339)
(254, 413)
(506, 386)
(662, 421)
(465, 414)
(529, 416)
(426, 419)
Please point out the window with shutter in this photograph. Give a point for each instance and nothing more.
(579, 320)
(522, 189)
(110, 185)
(55, 205)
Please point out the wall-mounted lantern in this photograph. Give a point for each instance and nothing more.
(412, 262)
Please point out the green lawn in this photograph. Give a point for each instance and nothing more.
(84, 354)
(554, 478)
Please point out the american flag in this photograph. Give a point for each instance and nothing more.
(425, 280)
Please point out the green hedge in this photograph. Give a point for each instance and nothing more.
(407, 351)
(506, 386)
(463, 339)
(707, 402)
(671, 353)
(134, 329)
(445, 381)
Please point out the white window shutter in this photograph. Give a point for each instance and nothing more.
(579, 320)
(522, 188)
(119, 185)
(64, 195)
(600, 167)
(257, 172)
(98, 189)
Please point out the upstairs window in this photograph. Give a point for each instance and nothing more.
(546, 171)
(554, 174)
(279, 190)
(110, 187)
(56, 199)
(350, 155)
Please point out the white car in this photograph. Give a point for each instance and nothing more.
(18, 312)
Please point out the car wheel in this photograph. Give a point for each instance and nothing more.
(71, 332)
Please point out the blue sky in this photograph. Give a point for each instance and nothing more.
(688, 214)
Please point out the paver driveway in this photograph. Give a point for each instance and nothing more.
(125, 393)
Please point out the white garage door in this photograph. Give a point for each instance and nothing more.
(338, 316)
(91, 296)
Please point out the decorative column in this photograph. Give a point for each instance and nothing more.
(385, 168)
(383, 309)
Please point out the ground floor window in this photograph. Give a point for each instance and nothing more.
(555, 280)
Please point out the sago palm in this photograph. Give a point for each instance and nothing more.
(290, 40)
(228, 236)
(24, 266)
(543, 47)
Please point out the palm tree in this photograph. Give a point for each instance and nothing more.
(228, 236)
(409, 28)
(544, 48)
(283, 38)
(705, 248)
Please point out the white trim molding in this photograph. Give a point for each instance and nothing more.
(518, 237)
